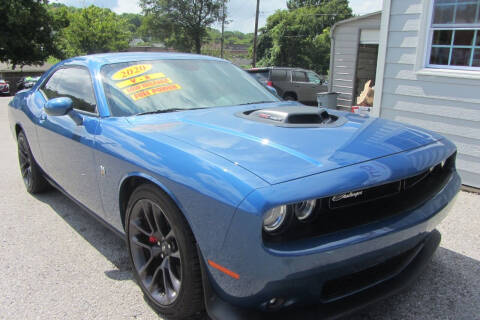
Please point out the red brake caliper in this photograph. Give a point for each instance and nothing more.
(152, 239)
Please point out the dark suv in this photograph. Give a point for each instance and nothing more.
(291, 83)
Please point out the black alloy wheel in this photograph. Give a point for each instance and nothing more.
(155, 251)
(24, 161)
(31, 173)
(163, 253)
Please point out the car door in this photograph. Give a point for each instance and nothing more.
(315, 85)
(301, 85)
(67, 148)
(280, 81)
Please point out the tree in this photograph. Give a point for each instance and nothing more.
(295, 4)
(91, 30)
(134, 20)
(300, 37)
(26, 32)
(180, 23)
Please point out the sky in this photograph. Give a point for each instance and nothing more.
(242, 12)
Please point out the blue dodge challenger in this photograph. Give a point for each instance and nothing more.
(231, 200)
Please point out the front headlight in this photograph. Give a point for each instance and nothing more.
(303, 210)
(274, 218)
(279, 217)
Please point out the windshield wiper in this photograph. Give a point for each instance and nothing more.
(165, 111)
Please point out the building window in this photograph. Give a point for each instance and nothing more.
(455, 35)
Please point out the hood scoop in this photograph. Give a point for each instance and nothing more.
(294, 117)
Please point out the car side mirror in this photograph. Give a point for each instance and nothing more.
(62, 106)
(58, 106)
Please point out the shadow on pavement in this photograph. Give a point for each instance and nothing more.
(448, 289)
(100, 237)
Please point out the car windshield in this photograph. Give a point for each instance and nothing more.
(172, 85)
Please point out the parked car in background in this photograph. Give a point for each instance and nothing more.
(4, 87)
(228, 197)
(26, 82)
(291, 83)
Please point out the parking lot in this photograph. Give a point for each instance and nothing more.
(56, 262)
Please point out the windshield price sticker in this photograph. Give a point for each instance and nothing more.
(132, 71)
(147, 85)
(140, 79)
(151, 92)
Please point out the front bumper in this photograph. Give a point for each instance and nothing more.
(406, 273)
(335, 273)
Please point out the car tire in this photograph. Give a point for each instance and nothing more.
(163, 254)
(31, 173)
(289, 97)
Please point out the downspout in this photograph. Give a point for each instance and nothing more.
(332, 57)
(382, 55)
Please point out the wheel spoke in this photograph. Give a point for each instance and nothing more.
(23, 157)
(24, 165)
(146, 212)
(175, 254)
(173, 278)
(155, 275)
(159, 219)
(169, 292)
(137, 226)
(145, 266)
(170, 234)
(136, 242)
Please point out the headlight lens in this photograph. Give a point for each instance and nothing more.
(274, 218)
(303, 210)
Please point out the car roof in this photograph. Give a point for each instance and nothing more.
(119, 57)
(277, 68)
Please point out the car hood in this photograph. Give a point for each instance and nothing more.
(277, 154)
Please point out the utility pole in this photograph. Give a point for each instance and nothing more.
(254, 61)
(223, 29)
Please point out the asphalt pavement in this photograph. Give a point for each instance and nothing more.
(57, 262)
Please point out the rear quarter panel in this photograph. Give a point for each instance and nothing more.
(24, 111)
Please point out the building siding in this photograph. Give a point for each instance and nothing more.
(346, 40)
(447, 105)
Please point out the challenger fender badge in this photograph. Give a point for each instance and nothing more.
(347, 196)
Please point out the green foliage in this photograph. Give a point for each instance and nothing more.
(295, 4)
(90, 30)
(300, 38)
(231, 37)
(26, 33)
(134, 21)
(181, 24)
(52, 60)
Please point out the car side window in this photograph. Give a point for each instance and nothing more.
(313, 78)
(50, 87)
(299, 76)
(278, 75)
(76, 84)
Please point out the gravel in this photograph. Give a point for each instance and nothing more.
(57, 262)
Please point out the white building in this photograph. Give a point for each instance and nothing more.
(428, 72)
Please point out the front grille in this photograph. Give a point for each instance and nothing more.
(361, 196)
(360, 207)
